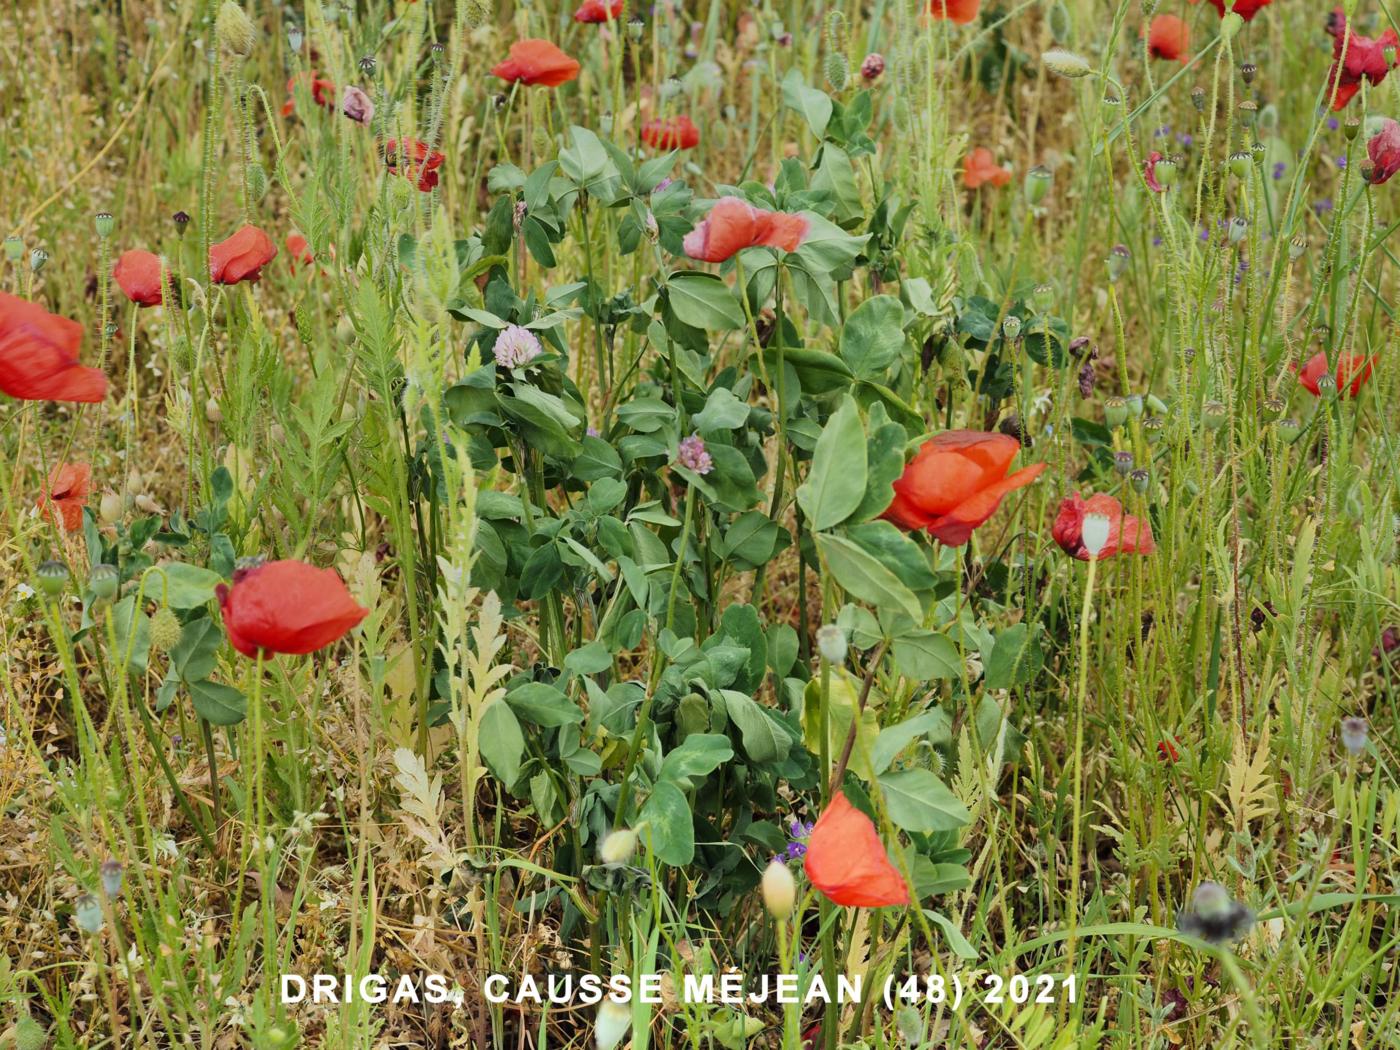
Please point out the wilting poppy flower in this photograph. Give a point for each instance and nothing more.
(599, 11)
(322, 93)
(241, 257)
(1384, 151)
(1246, 9)
(1169, 37)
(39, 355)
(846, 860)
(1364, 58)
(955, 482)
(138, 274)
(1149, 173)
(1352, 371)
(68, 491)
(415, 160)
(671, 133)
(1126, 533)
(287, 607)
(980, 167)
(539, 62)
(1166, 750)
(357, 105)
(734, 224)
(959, 11)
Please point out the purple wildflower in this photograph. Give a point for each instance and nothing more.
(1279, 169)
(516, 347)
(1333, 123)
(692, 455)
(1341, 162)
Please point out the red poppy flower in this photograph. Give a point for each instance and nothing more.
(139, 275)
(67, 492)
(980, 167)
(322, 93)
(1166, 750)
(1364, 58)
(955, 482)
(846, 860)
(1384, 151)
(599, 11)
(1246, 9)
(39, 355)
(287, 607)
(1352, 372)
(1169, 37)
(734, 224)
(671, 133)
(241, 257)
(419, 162)
(1149, 173)
(537, 62)
(1126, 533)
(960, 11)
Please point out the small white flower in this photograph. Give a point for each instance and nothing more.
(613, 1021)
(23, 592)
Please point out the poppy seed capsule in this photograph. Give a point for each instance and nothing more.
(779, 889)
(37, 258)
(1093, 534)
(1272, 409)
(1134, 405)
(1037, 184)
(368, 66)
(1011, 328)
(14, 248)
(1239, 226)
(103, 222)
(1115, 412)
(1123, 463)
(1140, 480)
(52, 576)
(1239, 164)
(873, 67)
(1214, 415)
(1152, 428)
(1118, 259)
(1043, 298)
(1198, 98)
(1354, 735)
(1247, 72)
(103, 581)
(1164, 171)
(1288, 430)
(1248, 112)
(1296, 247)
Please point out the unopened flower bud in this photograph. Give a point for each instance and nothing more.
(618, 846)
(110, 508)
(873, 67)
(212, 411)
(1133, 402)
(1066, 63)
(614, 1019)
(779, 890)
(1230, 25)
(234, 30)
(831, 644)
(165, 630)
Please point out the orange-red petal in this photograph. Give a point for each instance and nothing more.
(847, 862)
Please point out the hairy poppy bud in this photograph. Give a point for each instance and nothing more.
(1066, 63)
(103, 581)
(1037, 184)
(1230, 25)
(836, 70)
(234, 30)
(618, 846)
(165, 630)
(1133, 402)
(110, 508)
(779, 889)
(1198, 98)
(103, 222)
(52, 576)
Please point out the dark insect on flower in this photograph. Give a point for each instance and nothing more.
(1011, 427)
(1214, 916)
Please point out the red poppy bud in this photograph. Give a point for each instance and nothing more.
(287, 607)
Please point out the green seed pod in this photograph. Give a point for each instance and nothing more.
(1037, 184)
(37, 259)
(165, 630)
(1011, 328)
(1272, 409)
(14, 248)
(1123, 463)
(103, 222)
(51, 576)
(1351, 127)
(1115, 412)
(1288, 430)
(1248, 112)
(1296, 247)
(1214, 415)
(1118, 260)
(1152, 428)
(103, 581)
(1140, 480)
(1238, 227)
(1133, 402)
(1165, 172)
(1239, 164)
(836, 70)
(1043, 298)
(257, 181)
(1198, 98)
(1248, 70)
(1061, 25)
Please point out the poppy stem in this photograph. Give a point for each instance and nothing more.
(839, 773)
(1078, 809)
